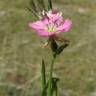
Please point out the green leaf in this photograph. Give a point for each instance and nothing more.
(49, 4)
(43, 79)
(61, 48)
(54, 86)
(44, 91)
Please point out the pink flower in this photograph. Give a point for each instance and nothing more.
(52, 23)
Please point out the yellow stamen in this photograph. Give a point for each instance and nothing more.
(51, 28)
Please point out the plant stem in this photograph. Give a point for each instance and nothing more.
(50, 76)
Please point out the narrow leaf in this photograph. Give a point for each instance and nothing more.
(49, 4)
(43, 78)
(54, 86)
(44, 92)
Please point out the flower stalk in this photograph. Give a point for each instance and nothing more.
(50, 77)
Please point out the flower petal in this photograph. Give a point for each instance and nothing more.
(45, 33)
(37, 25)
(65, 27)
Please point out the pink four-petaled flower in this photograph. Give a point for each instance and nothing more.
(52, 23)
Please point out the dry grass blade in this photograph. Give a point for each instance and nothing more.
(32, 11)
(42, 3)
(33, 5)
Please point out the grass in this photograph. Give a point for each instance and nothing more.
(21, 51)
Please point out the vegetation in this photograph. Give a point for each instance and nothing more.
(21, 50)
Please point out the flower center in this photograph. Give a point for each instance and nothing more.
(51, 28)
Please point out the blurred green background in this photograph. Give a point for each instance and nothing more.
(21, 50)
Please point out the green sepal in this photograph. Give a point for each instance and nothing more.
(54, 46)
(61, 48)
